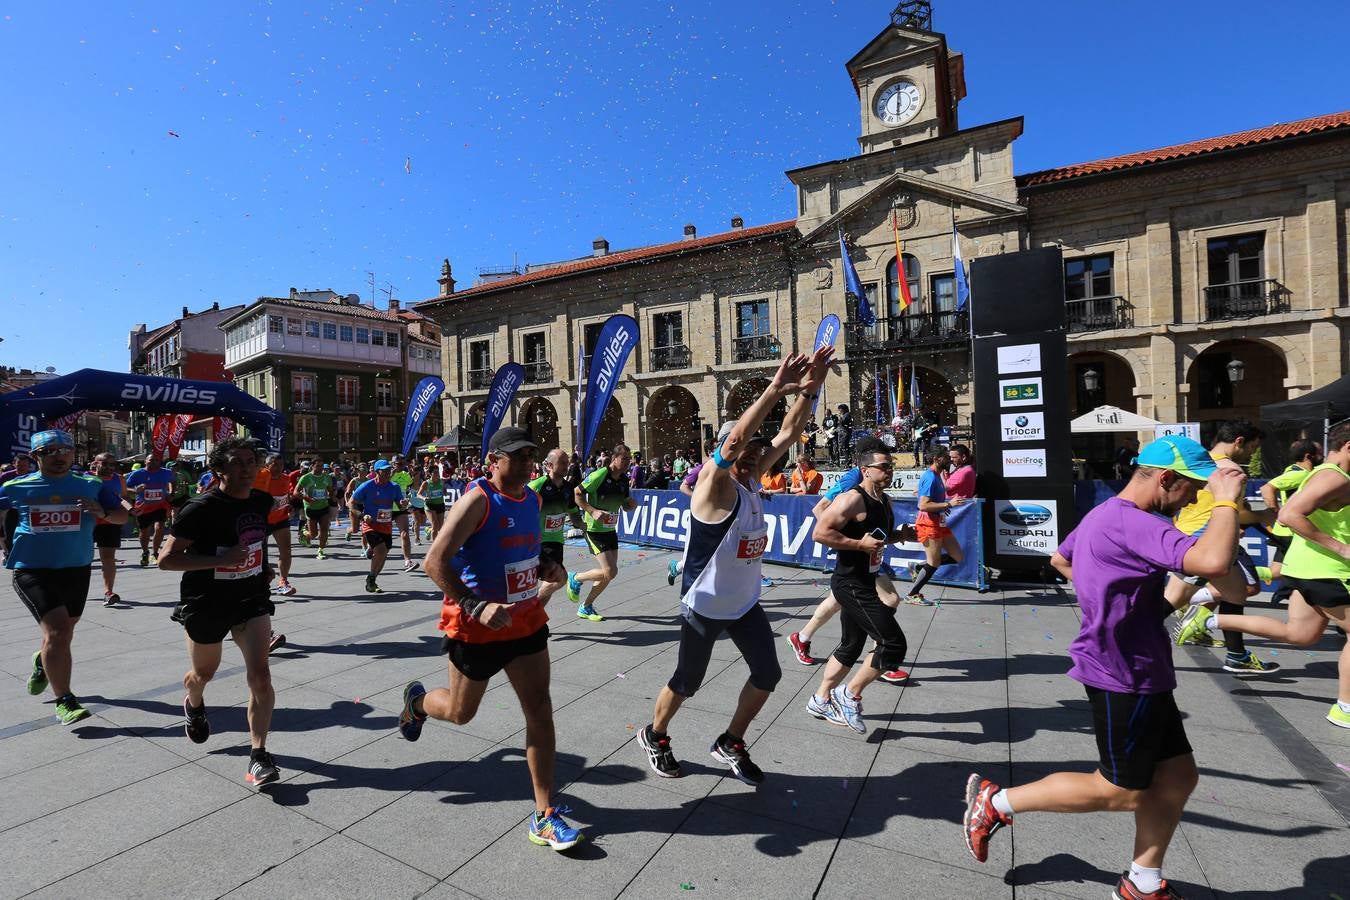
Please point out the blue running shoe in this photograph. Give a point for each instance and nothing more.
(672, 572)
(825, 709)
(550, 830)
(410, 721)
(573, 588)
(849, 708)
(765, 582)
(588, 612)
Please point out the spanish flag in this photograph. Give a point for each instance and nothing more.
(905, 298)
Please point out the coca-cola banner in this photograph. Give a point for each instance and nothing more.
(177, 430)
(159, 435)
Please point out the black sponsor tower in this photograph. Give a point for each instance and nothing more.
(1021, 407)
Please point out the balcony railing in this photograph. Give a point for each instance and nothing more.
(537, 372)
(672, 356)
(480, 379)
(1098, 313)
(928, 330)
(755, 348)
(1245, 299)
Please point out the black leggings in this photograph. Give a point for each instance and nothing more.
(751, 633)
(864, 616)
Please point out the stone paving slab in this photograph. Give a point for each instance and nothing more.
(122, 805)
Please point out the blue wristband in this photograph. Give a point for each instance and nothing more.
(719, 461)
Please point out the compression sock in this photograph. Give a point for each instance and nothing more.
(925, 572)
(1233, 640)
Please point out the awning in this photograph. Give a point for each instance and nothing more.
(1110, 418)
(1328, 404)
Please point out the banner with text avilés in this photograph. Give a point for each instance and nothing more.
(617, 338)
(419, 407)
(827, 332)
(505, 383)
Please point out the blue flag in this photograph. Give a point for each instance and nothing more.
(505, 383)
(419, 407)
(962, 286)
(826, 334)
(617, 338)
(914, 387)
(853, 286)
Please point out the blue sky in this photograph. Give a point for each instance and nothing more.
(165, 155)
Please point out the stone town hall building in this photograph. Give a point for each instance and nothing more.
(1178, 262)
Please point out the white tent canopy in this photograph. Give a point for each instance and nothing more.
(1108, 419)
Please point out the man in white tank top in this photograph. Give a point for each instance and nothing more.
(720, 592)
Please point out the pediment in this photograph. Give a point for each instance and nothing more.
(892, 44)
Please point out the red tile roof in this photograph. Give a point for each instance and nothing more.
(319, 307)
(622, 257)
(1194, 148)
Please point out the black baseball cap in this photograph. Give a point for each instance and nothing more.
(509, 440)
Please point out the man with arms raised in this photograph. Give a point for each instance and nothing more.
(721, 588)
(486, 560)
(1118, 559)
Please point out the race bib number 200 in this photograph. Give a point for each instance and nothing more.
(54, 519)
(522, 580)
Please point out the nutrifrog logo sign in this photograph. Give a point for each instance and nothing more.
(1020, 392)
(1026, 527)
(1027, 426)
(1024, 463)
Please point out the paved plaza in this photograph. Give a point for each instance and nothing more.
(124, 805)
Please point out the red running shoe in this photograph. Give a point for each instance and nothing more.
(1126, 890)
(894, 676)
(981, 819)
(802, 649)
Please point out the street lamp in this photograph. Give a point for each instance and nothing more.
(1092, 380)
(1237, 371)
(672, 408)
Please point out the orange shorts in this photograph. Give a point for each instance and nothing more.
(930, 532)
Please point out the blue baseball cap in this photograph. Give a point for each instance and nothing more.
(51, 438)
(381, 464)
(1180, 454)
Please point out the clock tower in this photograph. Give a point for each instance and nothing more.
(907, 81)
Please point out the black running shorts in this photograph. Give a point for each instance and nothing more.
(45, 590)
(1281, 544)
(379, 539)
(1318, 591)
(108, 537)
(1135, 732)
(479, 662)
(1248, 567)
(751, 633)
(602, 541)
(149, 519)
(437, 506)
(317, 515)
(208, 621)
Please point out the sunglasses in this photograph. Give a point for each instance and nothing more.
(52, 451)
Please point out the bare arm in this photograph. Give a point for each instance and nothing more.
(1270, 497)
(830, 526)
(1212, 556)
(1320, 490)
(175, 556)
(807, 387)
(1062, 565)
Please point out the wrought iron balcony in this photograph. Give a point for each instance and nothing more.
(1098, 313)
(947, 328)
(755, 348)
(1245, 299)
(480, 379)
(537, 372)
(672, 356)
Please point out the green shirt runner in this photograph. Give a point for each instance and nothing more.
(608, 492)
(1288, 481)
(319, 487)
(554, 502)
(404, 481)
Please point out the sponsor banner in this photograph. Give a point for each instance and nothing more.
(224, 429)
(1186, 429)
(1020, 392)
(1026, 527)
(904, 483)
(505, 383)
(423, 396)
(1019, 358)
(617, 338)
(1027, 426)
(1029, 463)
(159, 435)
(826, 334)
(177, 431)
(66, 422)
(662, 519)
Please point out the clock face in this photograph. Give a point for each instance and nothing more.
(898, 103)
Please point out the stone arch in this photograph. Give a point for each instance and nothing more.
(1213, 396)
(1294, 360)
(474, 416)
(611, 430)
(673, 422)
(1116, 386)
(539, 417)
(744, 393)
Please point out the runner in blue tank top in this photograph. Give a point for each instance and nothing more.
(52, 553)
(727, 537)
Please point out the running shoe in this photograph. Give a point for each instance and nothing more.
(588, 612)
(765, 582)
(37, 679)
(1193, 626)
(981, 819)
(913, 568)
(732, 751)
(261, 769)
(551, 830)
(304, 539)
(895, 676)
(850, 708)
(284, 589)
(659, 755)
(1250, 665)
(1338, 716)
(145, 558)
(276, 643)
(195, 724)
(372, 587)
(1125, 890)
(825, 709)
(917, 600)
(69, 711)
(672, 572)
(110, 599)
(573, 588)
(802, 649)
(320, 554)
(410, 565)
(410, 721)
(366, 553)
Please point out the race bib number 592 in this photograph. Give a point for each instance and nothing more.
(751, 546)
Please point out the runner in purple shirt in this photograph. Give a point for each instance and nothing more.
(1118, 559)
